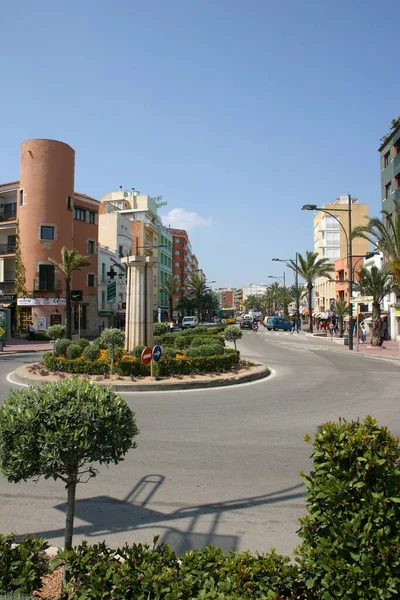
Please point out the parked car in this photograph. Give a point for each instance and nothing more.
(189, 322)
(246, 322)
(277, 323)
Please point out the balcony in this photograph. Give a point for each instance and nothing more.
(7, 286)
(44, 285)
(7, 248)
(6, 217)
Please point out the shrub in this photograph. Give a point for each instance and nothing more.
(182, 341)
(168, 340)
(351, 533)
(83, 343)
(203, 364)
(157, 340)
(40, 337)
(22, 565)
(74, 351)
(205, 350)
(91, 352)
(168, 351)
(93, 367)
(114, 340)
(55, 332)
(200, 330)
(200, 340)
(60, 347)
(137, 351)
(99, 343)
(129, 365)
(114, 354)
(160, 328)
(155, 572)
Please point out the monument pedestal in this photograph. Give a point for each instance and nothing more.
(139, 300)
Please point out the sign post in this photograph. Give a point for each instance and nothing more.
(150, 356)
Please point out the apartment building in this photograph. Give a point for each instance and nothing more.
(331, 232)
(253, 289)
(389, 152)
(181, 256)
(164, 268)
(50, 214)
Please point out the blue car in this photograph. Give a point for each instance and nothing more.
(277, 323)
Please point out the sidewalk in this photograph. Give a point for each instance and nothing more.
(389, 349)
(22, 345)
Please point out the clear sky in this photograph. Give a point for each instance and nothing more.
(239, 111)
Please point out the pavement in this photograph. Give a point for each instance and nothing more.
(16, 345)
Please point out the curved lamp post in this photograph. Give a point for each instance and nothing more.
(296, 282)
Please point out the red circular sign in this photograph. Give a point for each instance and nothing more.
(147, 355)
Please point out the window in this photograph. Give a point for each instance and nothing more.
(120, 251)
(177, 265)
(10, 211)
(79, 214)
(91, 245)
(103, 271)
(103, 300)
(386, 160)
(46, 232)
(397, 184)
(69, 203)
(46, 277)
(92, 217)
(91, 280)
(177, 252)
(21, 197)
(387, 190)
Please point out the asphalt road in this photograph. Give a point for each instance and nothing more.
(216, 466)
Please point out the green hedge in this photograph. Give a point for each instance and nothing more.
(205, 350)
(21, 565)
(127, 366)
(202, 364)
(93, 367)
(157, 573)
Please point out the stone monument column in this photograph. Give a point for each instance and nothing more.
(139, 300)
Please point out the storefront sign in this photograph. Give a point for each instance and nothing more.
(41, 301)
(105, 313)
(7, 298)
(3, 325)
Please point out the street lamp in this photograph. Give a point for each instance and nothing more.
(296, 282)
(349, 255)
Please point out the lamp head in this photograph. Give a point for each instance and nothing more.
(309, 207)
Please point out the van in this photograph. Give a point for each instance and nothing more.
(189, 322)
(277, 323)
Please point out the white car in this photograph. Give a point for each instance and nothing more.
(189, 322)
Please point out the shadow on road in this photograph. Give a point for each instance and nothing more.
(105, 515)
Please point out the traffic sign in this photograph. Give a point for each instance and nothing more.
(111, 290)
(157, 353)
(147, 355)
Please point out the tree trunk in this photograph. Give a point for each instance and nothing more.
(68, 307)
(171, 299)
(69, 517)
(341, 327)
(112, 360)
(376, 339)
(310, 311)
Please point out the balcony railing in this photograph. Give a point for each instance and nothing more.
(8, 286)
(8, 217)
(47, 286)
(7, 248)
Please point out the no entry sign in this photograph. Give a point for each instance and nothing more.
(147, 355)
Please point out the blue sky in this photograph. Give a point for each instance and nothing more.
(239, 112)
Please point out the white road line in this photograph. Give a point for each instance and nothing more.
(8, 378)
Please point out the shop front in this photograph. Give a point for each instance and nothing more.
(43, 312)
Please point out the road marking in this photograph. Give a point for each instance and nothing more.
(8, 378)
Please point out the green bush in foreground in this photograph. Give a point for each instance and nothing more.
(160, 328)
(21, 565)
(60, 347)
(157, 573)
(74, 351)
(351, 533)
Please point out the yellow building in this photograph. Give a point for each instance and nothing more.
(331, 242)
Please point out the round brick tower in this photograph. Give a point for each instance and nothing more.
(46, 183)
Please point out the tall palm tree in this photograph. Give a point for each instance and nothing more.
(269, 300)
(310, 267)
(198, 289)
(377, 283)
(296, 292)
(285, 296)
(385, 237)
(171, 287)
(341, 309)
(71, 261)
(274, 290)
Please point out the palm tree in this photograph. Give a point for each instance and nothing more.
(269, 300)
(285, 296)
(171, 287)
(310, 267)
(274, 290)
(377, 283)
(296, 293)
(341, 309)
(71, 261)
(198, 289)
(385, 237)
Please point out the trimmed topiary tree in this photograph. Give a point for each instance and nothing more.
(59, 430)
(112, 338)
(351, 534)
(55, 332)
(233, 333)
(160, 328)
(74, 351)
(61, 346)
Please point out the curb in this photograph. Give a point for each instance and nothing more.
(261, 372)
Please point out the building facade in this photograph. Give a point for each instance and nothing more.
(390, 168)
(331, 242)
(50, 215)
(164, 268)
(253, 289)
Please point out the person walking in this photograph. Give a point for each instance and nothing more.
(292, 326)
(31, 330)
(363, 333)
(171, 326)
